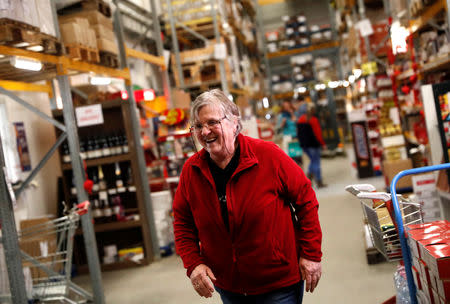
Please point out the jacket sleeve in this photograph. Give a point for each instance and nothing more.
(298, 190)
(186, 234)
(315, 125)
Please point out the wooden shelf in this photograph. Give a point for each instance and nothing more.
(312, 48)
(429, 13)
(101, 161)
(442, 63)
(107, 104)
(113, 226)
(405, 75)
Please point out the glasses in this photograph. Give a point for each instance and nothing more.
(210, 124)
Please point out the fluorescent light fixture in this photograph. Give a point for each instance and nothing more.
(26, 64)
(265, 102)
(59, 104)
(317, 87)
(345, 83)
(36, 48)
(96, 80)
(351, 78)
(268, 116)
(357, 73)
(399, 35)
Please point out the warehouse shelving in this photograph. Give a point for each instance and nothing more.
(429, 13)
(309, 49)
(60, 67)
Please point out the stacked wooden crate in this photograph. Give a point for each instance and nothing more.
(28, 24)
(199, 66)
(88, 34)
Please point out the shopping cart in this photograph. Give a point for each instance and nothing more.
(46, 250)
(379, 214)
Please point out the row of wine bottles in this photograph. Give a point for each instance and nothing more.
(104, 211)
(118, 182)
(99, 146)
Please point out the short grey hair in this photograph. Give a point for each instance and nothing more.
(217, 99)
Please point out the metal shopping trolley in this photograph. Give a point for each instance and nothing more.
(379, 213)
(46, 250)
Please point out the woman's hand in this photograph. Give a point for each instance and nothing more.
(201, 280)
(311, 272)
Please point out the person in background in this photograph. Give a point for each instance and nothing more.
(300, 107)
(286, 124)
(232, 222)
(310, 137)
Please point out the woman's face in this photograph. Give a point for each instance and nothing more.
(216, 134)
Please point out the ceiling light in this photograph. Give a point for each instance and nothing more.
(96, 80)
(357, 73)
(268, 116)
(26, 64)
(351, 78)
(301, 90)
(36, 48)
(149, 95)
(346, 83)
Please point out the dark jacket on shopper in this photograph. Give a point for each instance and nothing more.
(260, 252)
(309, 132)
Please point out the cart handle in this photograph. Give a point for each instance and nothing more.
(398, 218)
(82, 208)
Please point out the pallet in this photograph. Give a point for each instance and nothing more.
(109, 59)
(98, 5)
(21, 35)
(196, 73)
(82, 53)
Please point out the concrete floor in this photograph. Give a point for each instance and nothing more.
(347, 278)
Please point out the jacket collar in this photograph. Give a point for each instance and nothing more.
(246, 159)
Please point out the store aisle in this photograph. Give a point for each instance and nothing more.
(347, 278)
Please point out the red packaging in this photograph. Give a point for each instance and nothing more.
(443, 288)
(425, 272)
(418, 235)
(438, 259)
(430, 239)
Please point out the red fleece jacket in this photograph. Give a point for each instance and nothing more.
(260, 252)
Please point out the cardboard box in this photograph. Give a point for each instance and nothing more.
(107, 45)
(393, 167)
(102, 31)
(438, 259)
(417, 280)
(94, 17)
(425, 273)
(443, 288)
(71, 33)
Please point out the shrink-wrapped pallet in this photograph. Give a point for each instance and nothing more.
(20, 10)
(46, 24)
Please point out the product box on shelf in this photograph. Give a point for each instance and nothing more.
(94, 17)
(417, 279)
(393, 167)
(437, 257)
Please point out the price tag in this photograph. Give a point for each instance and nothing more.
(369, 68)
(220, 51)
(112, 191)
(365, 27)
(132, 189)
(89, 115)
(121, 189)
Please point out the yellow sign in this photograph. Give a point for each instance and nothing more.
(369, 68)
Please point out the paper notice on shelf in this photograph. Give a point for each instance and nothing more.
(365, 27)
(89, 115)
(220, 51)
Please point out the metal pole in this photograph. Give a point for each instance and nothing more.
(263, 44)
(194, 33)
(160, 49)
(223, 76)
(137, 140)
(362, 14)
(9, 239)
(448, 14)
(174, 42)
(33, 109)
(90, 242)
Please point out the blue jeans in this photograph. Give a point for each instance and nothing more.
(314, 164)
(287, 295)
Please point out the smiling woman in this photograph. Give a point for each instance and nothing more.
(231, 198)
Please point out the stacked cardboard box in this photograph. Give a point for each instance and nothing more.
(430, 254)
(91, 28)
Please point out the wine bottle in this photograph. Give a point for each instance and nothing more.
(106, 151)
(66, 153)
(97, 212)
(130, 181)
(97, 148)
(90, 153)
(107, 211)
(118, 173)
(111, 144)
(95, 186)
(117, 208)
(101, 179)
(125, 144)
(82, 150)
(118, 144)
(73, 188)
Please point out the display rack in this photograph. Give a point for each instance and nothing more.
(59, 68)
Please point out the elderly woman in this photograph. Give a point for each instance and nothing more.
(233, 224)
